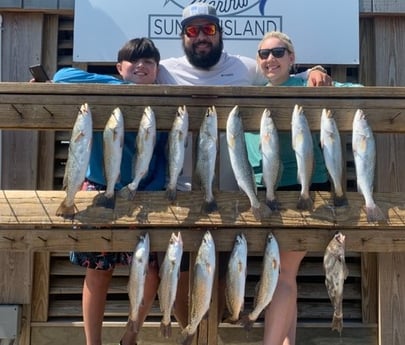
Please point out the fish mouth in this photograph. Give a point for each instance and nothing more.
(340, 237)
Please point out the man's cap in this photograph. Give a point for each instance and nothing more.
(199, 10)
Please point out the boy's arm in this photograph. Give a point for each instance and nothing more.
(76, 75)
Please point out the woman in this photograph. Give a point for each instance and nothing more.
(276, 57)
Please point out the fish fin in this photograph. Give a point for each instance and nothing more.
(340, 201)
(126, 193)
(246, 322)
(274, 205)
(209, 207)
(133, 326)
(102, 200)
(171, 194)
(185, 337)
(374, 214)
(261, 212)
(67, 212)
(304, 204)
(337, 323)
(166, 330)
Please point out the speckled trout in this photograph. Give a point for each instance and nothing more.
(113, 142)
(207, 143)
(145, 143)
(177, 145)
(267, 283)
(332, 153)
(78, 160)
(236, 278)
(203, 279)
(137, 275)
(304, 153)
(269, 147)
(364, 153)
(241, 167)
(169, 275)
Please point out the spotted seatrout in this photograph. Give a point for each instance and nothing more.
(207, 143)
(113, 142)
(269, 147)
(332, 153)
(240, 164)
(336, 273)
(304, 153)
(145, 143)
(236, 278)
(268, 281)
(137, 275)
(177, 145)
(78, 160)
(169, 275)
(203, 279)
(364, 153)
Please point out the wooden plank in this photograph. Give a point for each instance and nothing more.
(65, 335)
(388, 6)
(391, 282)
(22, 39)
(15, 277)
(40, 299)
(369, 287)
(34, 108)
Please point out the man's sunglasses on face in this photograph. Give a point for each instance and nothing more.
(194, 30)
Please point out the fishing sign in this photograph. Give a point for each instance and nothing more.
(318, 28)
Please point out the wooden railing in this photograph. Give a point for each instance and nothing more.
(28, 221)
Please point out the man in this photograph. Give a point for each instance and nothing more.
(206, 63)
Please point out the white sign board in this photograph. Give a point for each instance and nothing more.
(322, 31)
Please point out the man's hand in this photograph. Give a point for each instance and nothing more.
(316, 77)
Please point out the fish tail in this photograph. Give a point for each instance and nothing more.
(209, 207)
(127, 193)
(247, 323)
(273, 204)
(340, 200)
(374, 214)
(133, 326)
(166, 330)
(186, 338)
(261, 212)
(171, 194)
(337, 323)
(103, 200)
(304, 203)
(65, 211)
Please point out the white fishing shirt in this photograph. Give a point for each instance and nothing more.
(230, 70)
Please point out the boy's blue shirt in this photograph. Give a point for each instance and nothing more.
(156, 177)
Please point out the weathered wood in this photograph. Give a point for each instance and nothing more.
(369, 287)
(95, 228)
(15, 277)
(40, 291)
(25, 106)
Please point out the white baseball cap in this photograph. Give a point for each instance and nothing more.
(199, 10)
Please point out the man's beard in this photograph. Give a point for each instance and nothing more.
(204, 61)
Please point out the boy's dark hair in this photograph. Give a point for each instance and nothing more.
(138, 48)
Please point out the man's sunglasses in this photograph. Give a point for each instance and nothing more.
(278, 52)
(194, 30)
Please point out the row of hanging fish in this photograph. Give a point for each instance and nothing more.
(362, 142)
(364, 152)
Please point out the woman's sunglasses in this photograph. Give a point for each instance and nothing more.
(278, 52)
(194, 30)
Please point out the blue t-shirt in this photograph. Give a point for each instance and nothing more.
(287, 154)
(156, 177)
